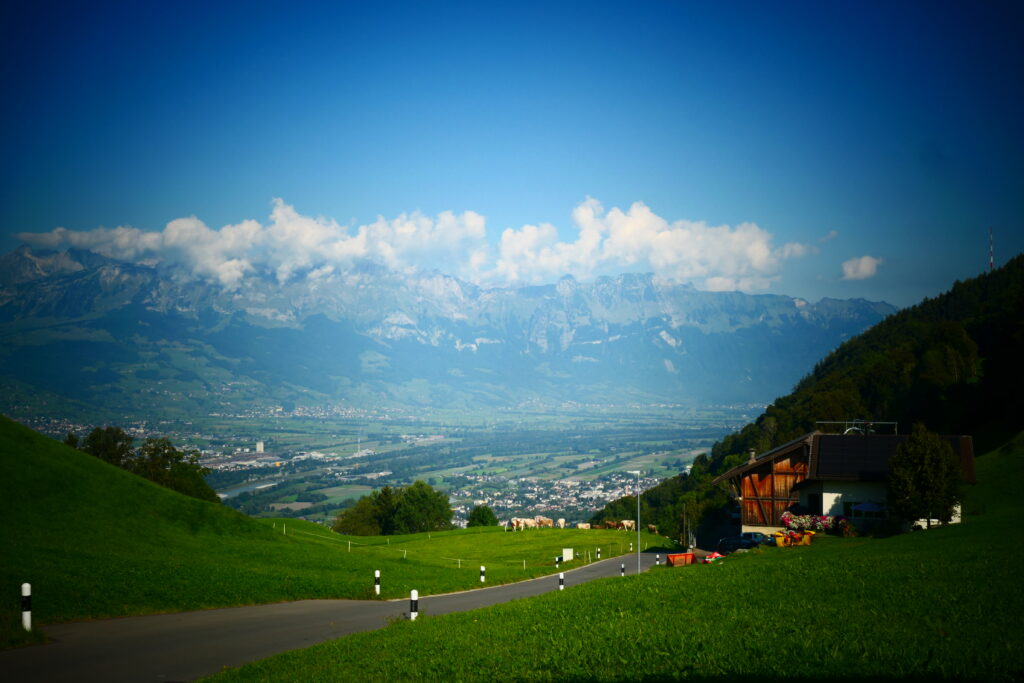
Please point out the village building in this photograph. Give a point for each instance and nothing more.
(824, 474)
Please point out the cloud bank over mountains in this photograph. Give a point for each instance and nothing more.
(292, 245)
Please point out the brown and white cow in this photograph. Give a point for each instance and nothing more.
(520, 523)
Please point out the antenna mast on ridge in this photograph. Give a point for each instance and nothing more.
(991, 253)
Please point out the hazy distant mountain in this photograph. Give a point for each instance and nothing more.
(131, 338)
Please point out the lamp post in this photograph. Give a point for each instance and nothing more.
(637, 473)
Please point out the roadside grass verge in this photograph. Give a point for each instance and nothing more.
(493, 547)
(96, 542)
(943, 604)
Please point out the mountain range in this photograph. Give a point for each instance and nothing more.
(147, 339)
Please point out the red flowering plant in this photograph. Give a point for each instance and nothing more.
(822, 523)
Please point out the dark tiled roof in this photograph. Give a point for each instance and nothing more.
(866, 457)
(765, 457)
(853, 457)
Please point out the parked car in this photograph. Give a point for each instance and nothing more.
(734, 543)
(758, 537)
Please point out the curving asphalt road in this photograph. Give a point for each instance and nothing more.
(189, 645)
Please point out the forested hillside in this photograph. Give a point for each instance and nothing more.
(954, 363)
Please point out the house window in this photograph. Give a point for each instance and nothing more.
(814, 503)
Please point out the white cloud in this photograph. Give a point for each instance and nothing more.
(713, 257)
(861, 268)
(829, 236)
(292, 245)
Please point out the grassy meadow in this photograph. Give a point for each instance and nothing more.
(943, 604)
(95, 541)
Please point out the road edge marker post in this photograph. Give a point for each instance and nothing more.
(414, 604)
(376, 581)
(482, 569)
(26, 606)
(622, 569)
(561, 581)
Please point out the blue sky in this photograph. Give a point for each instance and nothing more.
(758, 146)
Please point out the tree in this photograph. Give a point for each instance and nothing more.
(160, 462)
(157, 460)
(385, 503)
(924, 477)
(482, 515)
(409, 510)
(358, 520)
(421, 508)
(111, 444)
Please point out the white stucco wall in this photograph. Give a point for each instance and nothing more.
(835, 493)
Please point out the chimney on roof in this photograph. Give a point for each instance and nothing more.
(752, 457)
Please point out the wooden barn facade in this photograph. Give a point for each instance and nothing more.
(822, 474)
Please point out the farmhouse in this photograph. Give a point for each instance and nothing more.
(823, 474)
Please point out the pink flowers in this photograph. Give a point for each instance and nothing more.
(812, 522)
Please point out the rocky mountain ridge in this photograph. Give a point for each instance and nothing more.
(373, 335)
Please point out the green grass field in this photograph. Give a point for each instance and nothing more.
(943, 604)
(96, 542)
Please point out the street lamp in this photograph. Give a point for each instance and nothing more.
(637, 473)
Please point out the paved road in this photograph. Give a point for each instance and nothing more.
(188, 645)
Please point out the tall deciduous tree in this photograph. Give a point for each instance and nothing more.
(358, 520)
(409, 510)
(924, 477)
(385, 502)
(157, 460)
(482, 515)
(160, 462)
(112, 444)
(421, 508)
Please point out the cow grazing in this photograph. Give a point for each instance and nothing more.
(561, 522)
(544, 522)
(520, 523)
(627, 524)
(582, 525)
(652, 528)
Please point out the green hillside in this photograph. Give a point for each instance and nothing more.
(953, 363)
(95, 541)
(942, 604)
